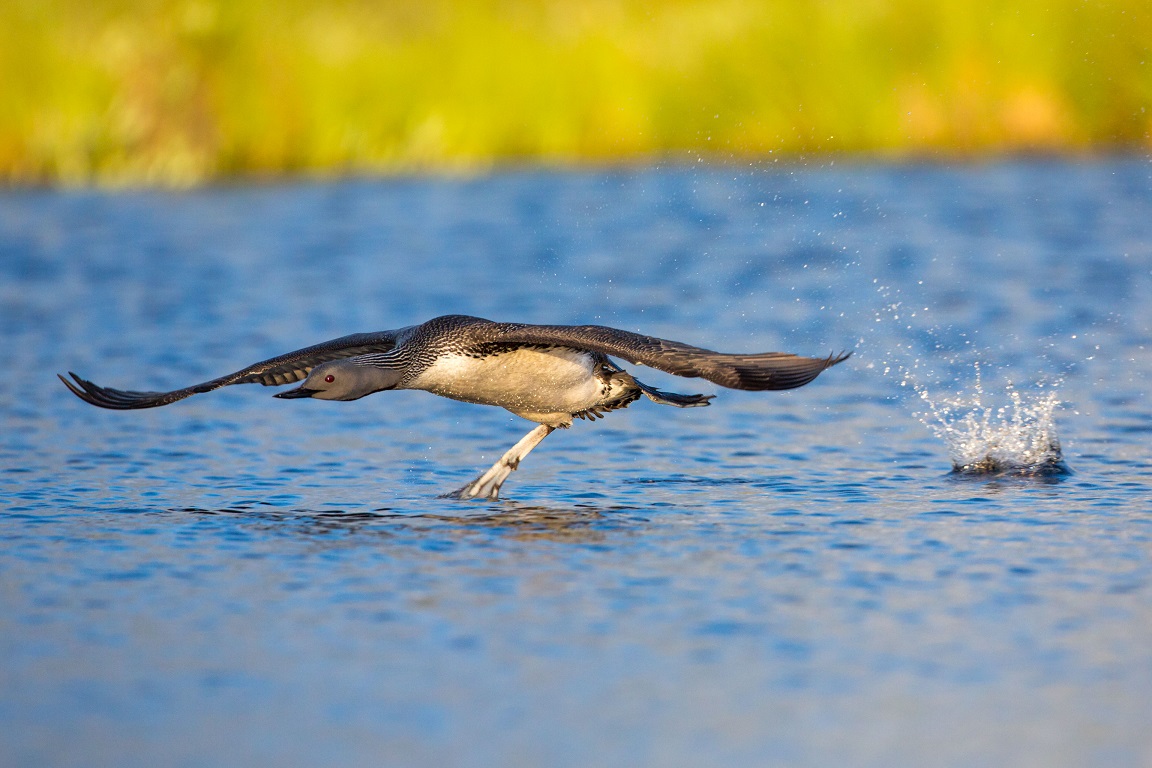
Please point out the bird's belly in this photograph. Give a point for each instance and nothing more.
(546, 385)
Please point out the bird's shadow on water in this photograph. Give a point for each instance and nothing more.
(576, 523)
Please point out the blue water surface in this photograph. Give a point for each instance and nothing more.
(780, 579)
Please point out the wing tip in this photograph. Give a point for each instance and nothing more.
(836, 358)
(71, 387)
(106, 397)
(790, 372)
(84, 389)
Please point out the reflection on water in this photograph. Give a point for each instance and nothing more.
(574, 524)
(577, 523)
(779, 579)
(995, 481)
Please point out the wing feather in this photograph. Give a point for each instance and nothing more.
(283, 369)
(756, 372)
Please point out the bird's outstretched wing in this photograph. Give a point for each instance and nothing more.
(767, 370)
(283, 369)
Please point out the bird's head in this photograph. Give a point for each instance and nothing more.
(344, 380)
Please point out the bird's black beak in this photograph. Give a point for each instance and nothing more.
(292, 394)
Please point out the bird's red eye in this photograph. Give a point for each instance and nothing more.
(329, 378)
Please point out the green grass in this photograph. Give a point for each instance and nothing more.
(180, 91)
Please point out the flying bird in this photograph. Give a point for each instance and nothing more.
(549, 374)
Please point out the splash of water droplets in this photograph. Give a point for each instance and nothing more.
(1016, 438)
(988, 429)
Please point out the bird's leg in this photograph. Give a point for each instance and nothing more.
(488, 484)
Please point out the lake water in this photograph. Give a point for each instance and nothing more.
(779, 579)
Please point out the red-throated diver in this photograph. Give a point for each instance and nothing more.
(545, 373)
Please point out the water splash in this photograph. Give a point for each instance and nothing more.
(989, 429)
(986, 436)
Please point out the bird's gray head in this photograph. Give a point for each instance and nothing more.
(344, 380)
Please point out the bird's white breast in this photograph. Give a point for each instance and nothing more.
(534, 383)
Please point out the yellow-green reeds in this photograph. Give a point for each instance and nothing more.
(179, 91)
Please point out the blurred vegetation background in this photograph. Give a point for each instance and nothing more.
(183, 91)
